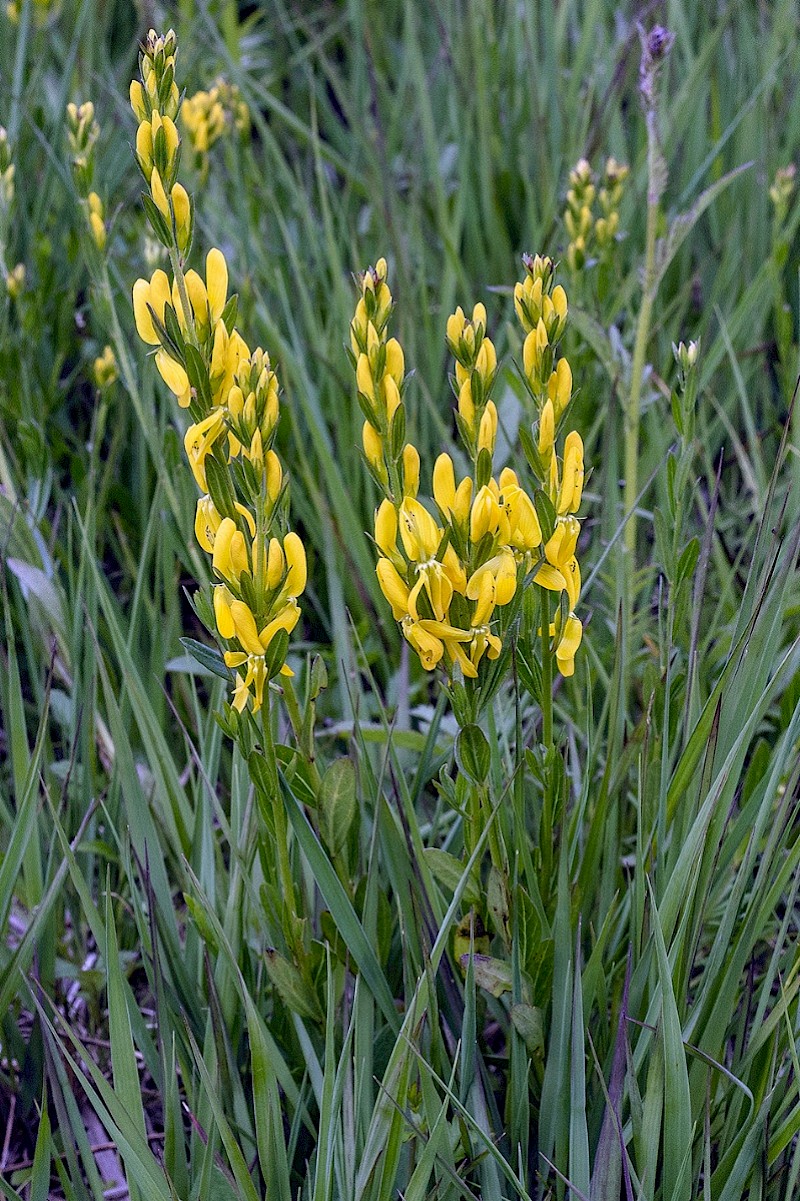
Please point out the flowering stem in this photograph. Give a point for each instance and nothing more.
(183, 295)
(280, 825)
(633, 411)
(547, 672)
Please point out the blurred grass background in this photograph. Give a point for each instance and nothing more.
(135, 909)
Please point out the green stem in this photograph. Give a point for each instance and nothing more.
(633, 410)
(547, 673)
(183, 295)
(281, 828)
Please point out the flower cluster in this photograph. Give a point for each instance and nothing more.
(591, 217)
(104, 369)
(14, 276)
(231, 394)
(42, 11)
(82, 134)
(209, 115)
(542, 309)
(449, 576)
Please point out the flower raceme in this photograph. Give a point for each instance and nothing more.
(448, 578)
(232, 397)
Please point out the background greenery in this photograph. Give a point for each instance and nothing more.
(639, 1037)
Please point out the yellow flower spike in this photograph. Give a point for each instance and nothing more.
(159, 195)
(568, 645)
(199, 440)
(216, 283)
(550, 577)
(571, 490)
(547, 431)
(296, 563)
(419, 533)
(182, 208)
(487, 433)
(174, 377)
(222, 612)
(393, 588)
(410, 470)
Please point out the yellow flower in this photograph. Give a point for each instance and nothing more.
(559, 389)
(419, 533)
(571, 490)
(454, 502)
(198, 442)
(175, 377)
(104, 368)
(153, 295)
(568, 645)
(230, 558)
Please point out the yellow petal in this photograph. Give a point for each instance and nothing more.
(295, 553)
(393, 588)
(141, 313)
(217, 282)
(245, 625)
(172, 373)
(222, 612)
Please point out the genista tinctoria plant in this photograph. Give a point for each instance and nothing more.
(231, 394)
(454, 576)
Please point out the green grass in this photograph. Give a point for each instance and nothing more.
(634, 1028)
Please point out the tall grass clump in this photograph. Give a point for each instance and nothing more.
(400, 724)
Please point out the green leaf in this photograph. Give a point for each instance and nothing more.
(337, 803)
(473, 754)
(209, 657)
(293, 990)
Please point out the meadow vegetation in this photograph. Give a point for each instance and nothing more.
(399, 522)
